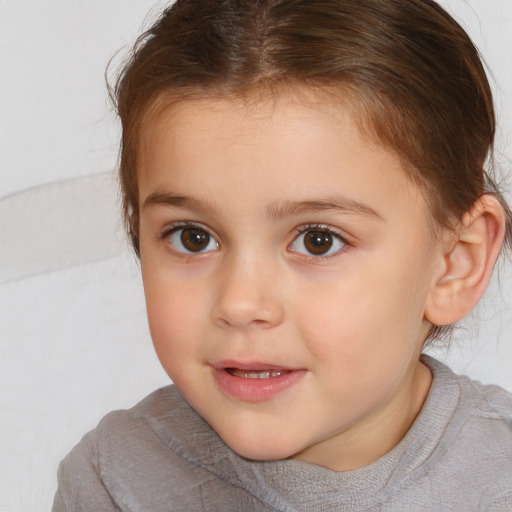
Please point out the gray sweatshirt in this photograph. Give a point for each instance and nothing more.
(162, 456)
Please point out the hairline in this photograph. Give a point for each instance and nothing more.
(338, 94)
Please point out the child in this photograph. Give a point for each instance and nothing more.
(303, 182)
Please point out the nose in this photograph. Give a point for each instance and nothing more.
(248, 296)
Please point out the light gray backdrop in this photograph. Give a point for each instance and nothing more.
(74, 341)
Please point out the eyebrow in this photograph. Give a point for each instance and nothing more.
(178, 201)
(280, 209)
(275, 211)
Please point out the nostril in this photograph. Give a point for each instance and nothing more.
(245, 297)
(244, 314)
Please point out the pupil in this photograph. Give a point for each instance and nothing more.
(194, 240)
(318, 242)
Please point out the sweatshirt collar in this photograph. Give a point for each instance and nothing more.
(291, 484)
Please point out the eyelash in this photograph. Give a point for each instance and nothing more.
(169, 231)
(320, 227)
(323, 229)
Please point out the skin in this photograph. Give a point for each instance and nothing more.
(255, 176)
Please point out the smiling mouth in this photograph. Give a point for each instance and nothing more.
(259, 374)
(255, 381)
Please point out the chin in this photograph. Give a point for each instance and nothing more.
(261, 454)
(259, 449)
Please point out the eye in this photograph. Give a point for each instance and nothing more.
(193, 239)
(319, 241)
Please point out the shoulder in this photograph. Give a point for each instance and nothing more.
(488, 400)
(488, 403)
(112, 467)
(487, 406)
(485, 419)
(475, 444)
(158, 455)
(122, 428)
(162, 402)
(150, 424)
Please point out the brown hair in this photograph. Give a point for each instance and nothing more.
(408, 68)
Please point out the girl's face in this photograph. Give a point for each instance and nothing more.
(287, 261)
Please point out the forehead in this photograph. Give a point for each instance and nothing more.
(261, 118)
(252, 110)
(268, 149)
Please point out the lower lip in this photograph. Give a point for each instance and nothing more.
(256, 390)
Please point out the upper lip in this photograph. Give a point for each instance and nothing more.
(249, 365)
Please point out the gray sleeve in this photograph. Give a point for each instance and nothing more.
(502, 503)
(80, 487)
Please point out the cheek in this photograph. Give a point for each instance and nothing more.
(173, 316)
(337, 328)
(368, 314)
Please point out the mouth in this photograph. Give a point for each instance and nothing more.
(255, 382)
(256, 374)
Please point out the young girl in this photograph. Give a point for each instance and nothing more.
(304, 184)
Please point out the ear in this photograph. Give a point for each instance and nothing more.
(468, 257)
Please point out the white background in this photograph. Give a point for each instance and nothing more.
(74, 342)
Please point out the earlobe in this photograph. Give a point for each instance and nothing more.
(468, 262)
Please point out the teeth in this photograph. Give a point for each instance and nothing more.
(265, 374)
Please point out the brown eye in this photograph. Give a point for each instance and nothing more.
(318, 242)
(192, 240)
